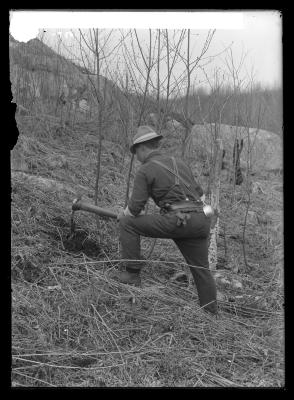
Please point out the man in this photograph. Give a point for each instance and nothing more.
(170, 183)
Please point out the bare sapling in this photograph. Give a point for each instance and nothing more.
(95, 42)
(214, 201)
(133, 66)
(190, 66)
(216, 156)
(248, 180)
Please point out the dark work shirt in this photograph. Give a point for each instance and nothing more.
(152, 180)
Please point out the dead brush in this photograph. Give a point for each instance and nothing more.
(89, 322)
(73, 325)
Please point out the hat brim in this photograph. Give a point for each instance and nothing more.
(133, 146)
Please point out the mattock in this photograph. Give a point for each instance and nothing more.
(78, 204)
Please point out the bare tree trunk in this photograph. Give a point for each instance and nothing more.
(99, 132)
(186, 113)
(148, 66)
(168, 73)
(128, 180)
(148, 73)
(214, 200)
(159, 123)
(130, 126)
(248, 178)
(98, 165)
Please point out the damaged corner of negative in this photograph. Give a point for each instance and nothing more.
(16, 157)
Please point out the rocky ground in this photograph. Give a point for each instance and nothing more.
(72, 325)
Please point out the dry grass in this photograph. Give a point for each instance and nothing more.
(73, 325)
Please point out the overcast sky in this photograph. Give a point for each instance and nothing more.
(257, 33)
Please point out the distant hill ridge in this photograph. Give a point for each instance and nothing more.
(40, 71)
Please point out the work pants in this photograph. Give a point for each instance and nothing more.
(191, 239)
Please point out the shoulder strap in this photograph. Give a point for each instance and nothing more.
(176, 174)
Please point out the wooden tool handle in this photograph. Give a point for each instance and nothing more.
(81, 205)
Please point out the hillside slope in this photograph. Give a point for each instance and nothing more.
(72, 325)
(37, 72)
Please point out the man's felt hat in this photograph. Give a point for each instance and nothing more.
(144, 134)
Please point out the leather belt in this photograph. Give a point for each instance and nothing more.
(183, 206)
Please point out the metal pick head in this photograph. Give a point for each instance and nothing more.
(74, 205)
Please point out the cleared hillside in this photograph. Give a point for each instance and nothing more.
(73, 325)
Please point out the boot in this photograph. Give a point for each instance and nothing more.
(129, 278)
(211, 309)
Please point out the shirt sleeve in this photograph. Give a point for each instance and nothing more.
(140, 193)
